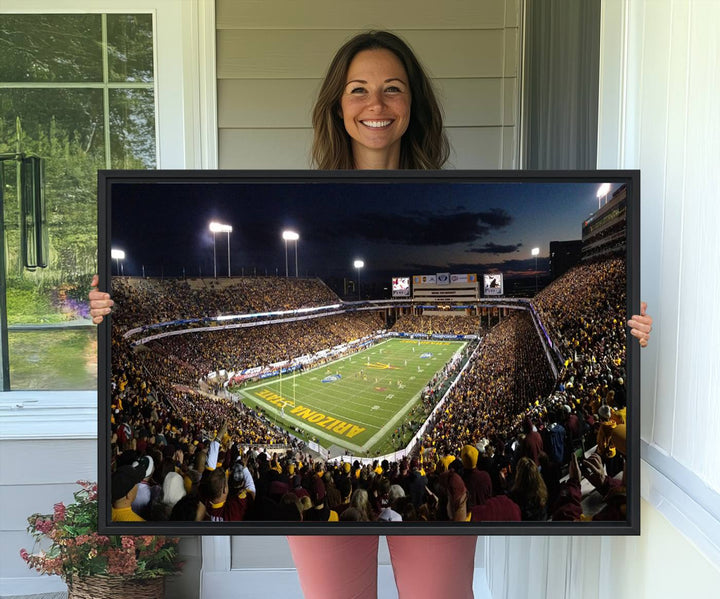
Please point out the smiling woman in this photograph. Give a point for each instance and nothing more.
(375, 107)
(364, 105)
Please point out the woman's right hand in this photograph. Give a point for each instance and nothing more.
(641, 325)
(100, 302)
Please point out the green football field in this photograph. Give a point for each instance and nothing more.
(358, 401)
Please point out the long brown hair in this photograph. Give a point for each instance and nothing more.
(529, 484)
(424, 144)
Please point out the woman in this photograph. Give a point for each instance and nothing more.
(363, 118)
(529, 491)
(377, 110)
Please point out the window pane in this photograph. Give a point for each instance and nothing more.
(65, 128)
(132, 128)
(53, 121)
(130, 47)
(57, 359)
(50, 48)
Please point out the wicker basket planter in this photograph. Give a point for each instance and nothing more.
(116, 587)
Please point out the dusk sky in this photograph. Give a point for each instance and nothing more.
(398, 229)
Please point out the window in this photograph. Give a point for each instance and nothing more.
(78, 91)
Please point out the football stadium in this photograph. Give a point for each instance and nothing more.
(297, 398)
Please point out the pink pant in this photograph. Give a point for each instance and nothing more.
(334, 567)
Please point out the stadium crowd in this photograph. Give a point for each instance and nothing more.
(239, 349)
(452, 324)
(497, 449)
(150, 301)
(223, 481)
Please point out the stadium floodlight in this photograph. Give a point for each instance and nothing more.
(117, 255)
(216, 227)
(291, 236)
(358, 264)
(535, 252)
(602, 192)
(220, 228)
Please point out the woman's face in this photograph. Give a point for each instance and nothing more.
(375, 105)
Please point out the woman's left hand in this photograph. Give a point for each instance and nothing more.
(100, 302)
(641, 325)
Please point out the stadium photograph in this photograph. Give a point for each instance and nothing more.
(367, 351)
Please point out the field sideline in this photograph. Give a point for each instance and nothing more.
(358, 401)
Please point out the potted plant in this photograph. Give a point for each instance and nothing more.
(93, 565)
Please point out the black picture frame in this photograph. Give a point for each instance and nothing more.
(109, 185)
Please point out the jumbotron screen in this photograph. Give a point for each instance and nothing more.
(268, 368)
(493, 285)
(401, 286)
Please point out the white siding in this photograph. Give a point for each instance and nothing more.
(271, 58)
(668, 125)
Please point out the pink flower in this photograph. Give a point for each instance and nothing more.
(121, 562)
(89, 488)
(53, 565)
(43, 526)
(128, 543)
(24, 555)
(145, 541)
(59, 512)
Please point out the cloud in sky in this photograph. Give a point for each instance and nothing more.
(422, 228)
(494, 248)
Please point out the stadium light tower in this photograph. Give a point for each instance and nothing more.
(117, 255)
(602, 192)
(535, 252)
(358, 264)
(291, 236)
(220, 228)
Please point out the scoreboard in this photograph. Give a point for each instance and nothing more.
(446, 287)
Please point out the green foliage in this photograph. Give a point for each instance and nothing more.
(51, 47)
(27, 304)
(70, 193)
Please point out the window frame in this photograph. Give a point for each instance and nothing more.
(185, 126)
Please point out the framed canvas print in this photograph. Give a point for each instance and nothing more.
(390, 352)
